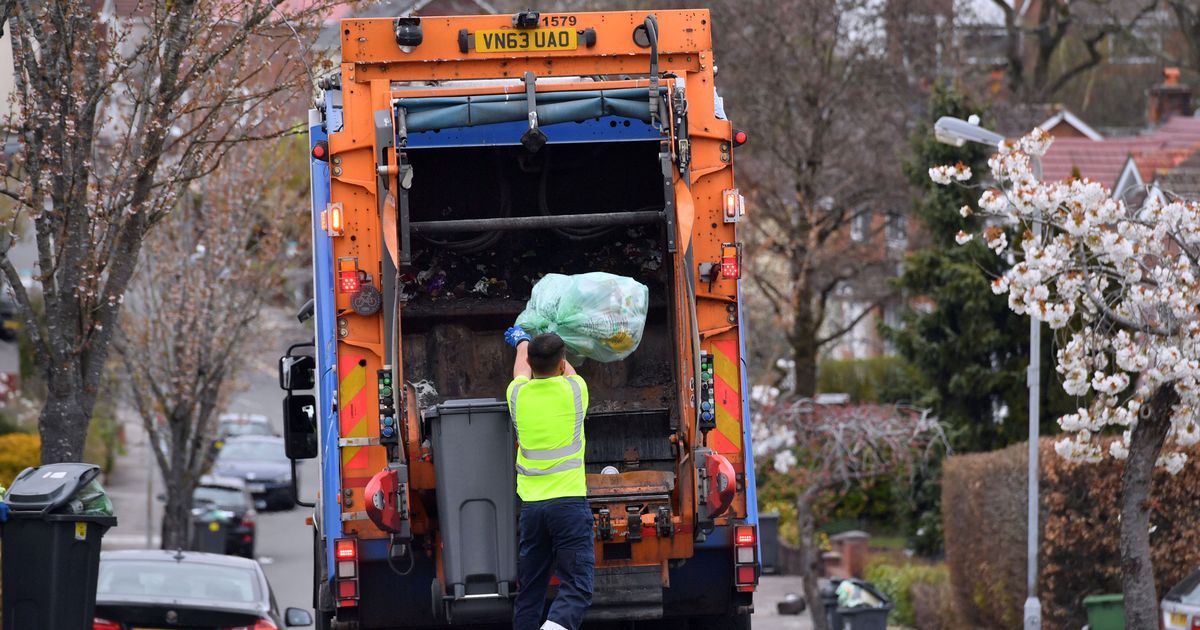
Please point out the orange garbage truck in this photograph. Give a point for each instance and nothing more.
(454, 162)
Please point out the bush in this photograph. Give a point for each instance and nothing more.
(983, 501)
(878, 380)
(900, 583)
(984, 495)
(18, 451)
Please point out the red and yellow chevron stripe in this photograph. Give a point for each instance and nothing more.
(352, 407)
(727, 438)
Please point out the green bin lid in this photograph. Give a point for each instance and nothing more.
(1107, 598)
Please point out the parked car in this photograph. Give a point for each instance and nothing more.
(151, 588)
(230, 425)
(260, 462)
(233, 503)
(1181, 605)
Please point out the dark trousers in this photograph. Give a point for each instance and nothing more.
(555, 534)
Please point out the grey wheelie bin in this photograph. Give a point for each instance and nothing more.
(473, 459)
(862, 607)
(51, 546)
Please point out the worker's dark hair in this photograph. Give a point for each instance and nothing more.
(545, 353)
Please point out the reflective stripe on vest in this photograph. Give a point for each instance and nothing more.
(551, 454)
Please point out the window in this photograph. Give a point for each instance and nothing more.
(860, 225)
(897, 230)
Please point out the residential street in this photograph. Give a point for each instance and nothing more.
(284, 540)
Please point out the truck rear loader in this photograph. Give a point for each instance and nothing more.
(454, 161)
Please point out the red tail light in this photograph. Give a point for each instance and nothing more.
(347, 589)
(104, 624)
(348, 281)
(1196, 622)
(346, 549)
(248, 519)
(744, 536)
(261, 624)
(746, 574)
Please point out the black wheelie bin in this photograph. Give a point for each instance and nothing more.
(51, 546)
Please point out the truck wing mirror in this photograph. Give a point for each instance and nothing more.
(300, 426)
(297, 372)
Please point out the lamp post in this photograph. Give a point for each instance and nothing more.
(957, 132)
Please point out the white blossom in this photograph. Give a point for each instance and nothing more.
(1173, 462)
(1117, 280)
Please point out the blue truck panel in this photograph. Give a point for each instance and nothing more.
(606, 129)
(326, 347)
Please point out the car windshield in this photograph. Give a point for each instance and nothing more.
(224, 498)
(234, 429)
(183, 580)
(261, 451)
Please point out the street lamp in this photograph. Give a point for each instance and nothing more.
(957, 132)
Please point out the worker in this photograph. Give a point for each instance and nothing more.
(548, 402)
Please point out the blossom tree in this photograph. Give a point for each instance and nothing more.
(823, 448)
(118, 108)
(1122, 285)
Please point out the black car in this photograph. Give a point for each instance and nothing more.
(228, 499)
(186, 589)
(259, 461)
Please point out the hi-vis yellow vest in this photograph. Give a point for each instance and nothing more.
(548, 414)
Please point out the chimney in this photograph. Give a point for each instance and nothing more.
(1168, 98)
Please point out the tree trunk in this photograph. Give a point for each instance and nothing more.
(177, 515)
(1137, 569)
(810, 561)
(804, 338)
(63, 425)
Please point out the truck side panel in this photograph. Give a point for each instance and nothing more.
(329, 516)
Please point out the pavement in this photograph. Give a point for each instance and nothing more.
(771, 590)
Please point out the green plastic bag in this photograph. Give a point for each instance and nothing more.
(599, 315)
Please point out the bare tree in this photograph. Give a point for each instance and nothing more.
(824, 448)
(825, 131)
(1039, 38)
(192, 312)
(1176, 45)
(116, 115)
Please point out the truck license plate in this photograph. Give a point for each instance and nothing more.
(504, 40)
(1178, 619)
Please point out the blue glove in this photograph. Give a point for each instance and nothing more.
(516, 335)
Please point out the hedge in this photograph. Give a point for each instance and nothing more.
(984, 511)
(18, 451)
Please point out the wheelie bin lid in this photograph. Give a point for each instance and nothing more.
(48, 488)
(467, 406)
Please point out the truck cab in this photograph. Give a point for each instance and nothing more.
(456, 160)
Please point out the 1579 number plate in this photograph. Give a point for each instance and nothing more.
(504, 40)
